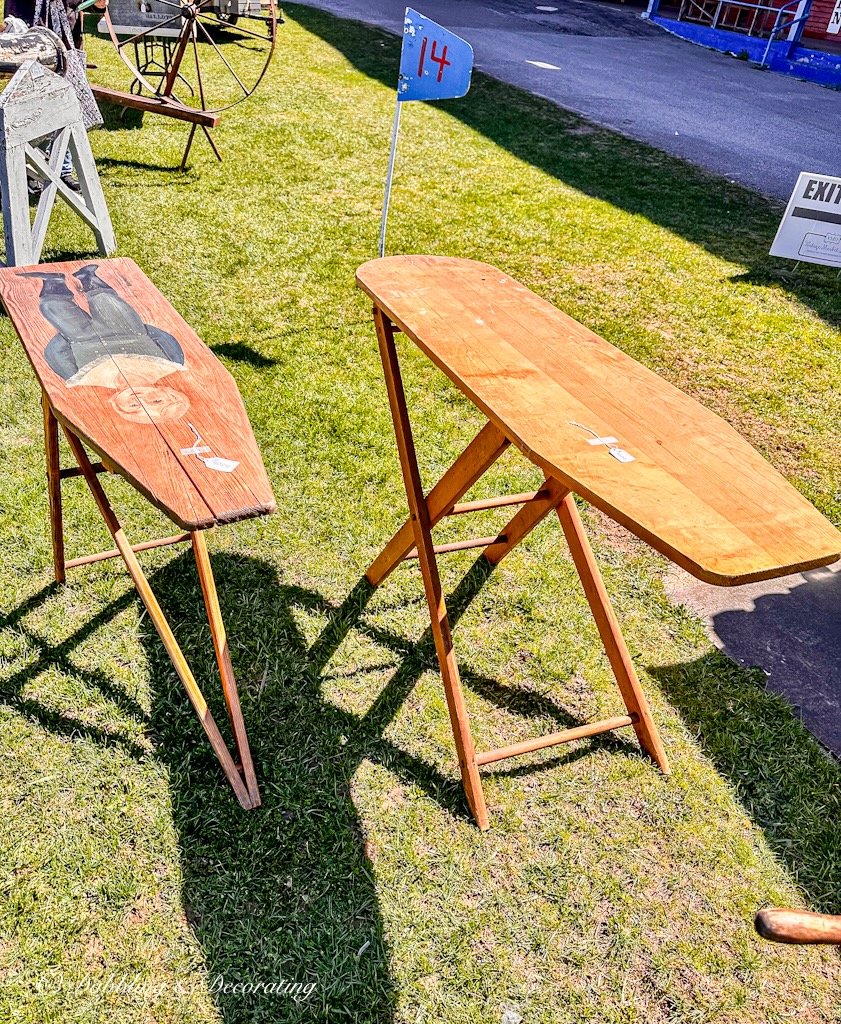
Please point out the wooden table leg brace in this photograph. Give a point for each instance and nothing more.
(241, 777)
(414, 540)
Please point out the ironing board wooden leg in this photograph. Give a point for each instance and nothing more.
(54, 489)
(223, 658)
(420, 519)
(158, 618)
(608, 627)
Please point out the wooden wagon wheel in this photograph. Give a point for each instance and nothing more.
(212, 57)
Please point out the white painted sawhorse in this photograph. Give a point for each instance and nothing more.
(35, 105)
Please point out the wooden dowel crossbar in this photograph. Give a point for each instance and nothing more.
(482, 452)
(71, 471)
(145, 545)
(414, 540)
(462, 545)
(498, 541)
(480, 504)
(580, 732)
(241, 777)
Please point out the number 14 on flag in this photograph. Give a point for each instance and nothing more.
(435, 64)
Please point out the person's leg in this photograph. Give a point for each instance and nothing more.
(67, 173)
(34, 183)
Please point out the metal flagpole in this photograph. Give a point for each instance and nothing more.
(394, 134)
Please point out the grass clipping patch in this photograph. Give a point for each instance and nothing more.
(603, 892)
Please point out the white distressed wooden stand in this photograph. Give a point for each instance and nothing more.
(35, 104)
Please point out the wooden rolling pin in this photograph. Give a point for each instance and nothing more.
(798, 926)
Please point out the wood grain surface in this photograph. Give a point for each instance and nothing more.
(696, 490)
(136, 419)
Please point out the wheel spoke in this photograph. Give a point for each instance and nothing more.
(223, 58)
(200, 13)
(198, 70)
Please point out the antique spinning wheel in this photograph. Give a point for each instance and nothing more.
(199, 56)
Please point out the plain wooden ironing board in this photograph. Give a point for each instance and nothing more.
(597, 424)
(124, 375)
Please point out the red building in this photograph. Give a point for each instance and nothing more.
(821, 24)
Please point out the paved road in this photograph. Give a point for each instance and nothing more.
(787, 627)
(750, 126)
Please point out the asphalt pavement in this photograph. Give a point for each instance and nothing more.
(604, 62)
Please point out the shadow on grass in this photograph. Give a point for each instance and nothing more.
(242, 353)
(727, 220)
(59, 656)
(787, 782)
(118, 119)
(287, 891)
(284, 895)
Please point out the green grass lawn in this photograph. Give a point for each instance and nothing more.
(603, 892)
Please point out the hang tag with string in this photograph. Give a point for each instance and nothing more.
(610, 442)
(216, 463)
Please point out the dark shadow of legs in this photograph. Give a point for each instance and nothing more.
(285, 892)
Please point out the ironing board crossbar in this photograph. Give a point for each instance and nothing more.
(580, 732)
(145, 545)
(479, 505)
(463, 545)
(71, 471)
(506, 499)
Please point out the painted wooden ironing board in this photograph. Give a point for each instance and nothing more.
(597, 424)
(124, 375)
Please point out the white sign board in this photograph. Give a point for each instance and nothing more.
(834, 26)
(811, 226)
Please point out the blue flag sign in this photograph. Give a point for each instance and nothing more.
(435, 64)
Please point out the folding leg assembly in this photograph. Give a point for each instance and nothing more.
(241, 776)
(414, 540)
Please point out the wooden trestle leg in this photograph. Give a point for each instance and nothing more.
(480, 454)
(421, 529)
(54, 489)
(608, 626)
(245, 791)
(223, 659)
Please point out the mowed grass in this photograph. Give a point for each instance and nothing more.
(133, 888)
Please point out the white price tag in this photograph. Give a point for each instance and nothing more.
(620, 455)
(220, 465)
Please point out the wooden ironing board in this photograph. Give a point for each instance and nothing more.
(125, 376)
(597, 424)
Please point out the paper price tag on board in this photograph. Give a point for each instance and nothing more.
(435, 64)
(810, 230)
(220, 465)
